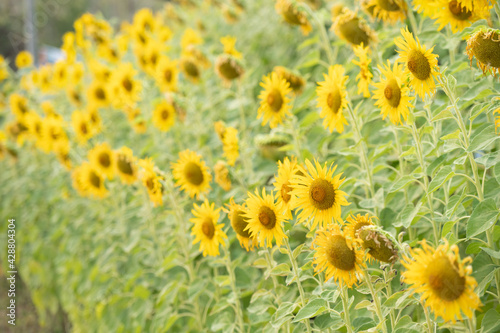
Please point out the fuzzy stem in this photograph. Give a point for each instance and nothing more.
(344, 295)
(376, 300)
(430, 324)
(232, 278)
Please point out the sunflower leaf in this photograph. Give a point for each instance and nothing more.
(441, 177)
(312, 309)
(483, 217)
(281, 269)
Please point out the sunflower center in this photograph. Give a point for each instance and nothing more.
(150, 184)
(191, 69)
(239, 224)
(322, 194)
(275, 100)
(354, 32)
(267, 217)
(445, 280)
(285, 189)
(392, 93)
(208, 228)
(388, 5)
(124, 166)
(168, 75)
(104, 160)
(229, 69)
(165, 114)
(100, 94)
(22, 107)
(339, 254)
(127, 84)
(334, 100)
(459, 12)
(83, 128)
(419, 65)
(94, 179)
(486, 48)
(193, 173)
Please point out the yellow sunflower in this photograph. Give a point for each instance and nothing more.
(229, 43)
(292, 15)
(230, 145)
(295, 81)
(236, 214)
(282, 184)
(125, 165)
(318, 195)
(102, 158)
(353, 224)
(190, 68)
(420, 63)
(265, 218)
(206, 230)
(191, 174)
(82, 126)
(350, 27)
(455, 14)
(390, 94)
(98, 94)
(389, 10)
(220, 129)
(75, 95)
(485, 46)
(151, 181)
(164, 116)
(443, 279)
(228, 69)
(364, 78)
(166, 74)
(274, 101)
(222, 175)
(24, 59)
(53, 134)
(427, 7)
(18, 105)
(332, 98)
(89, 182)
(337, 255)
(125, 87)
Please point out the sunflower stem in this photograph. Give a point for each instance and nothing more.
(247, 162)
(430, 324)
(344, 295)
(376, 300)
(389, 294)
(491, 244)
(413, 21)
(232, 278)
(297, 280)
(267, 254)
(449, 36)
(296, 141)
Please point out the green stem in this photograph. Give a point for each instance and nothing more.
(344, 295)
(376, 300)
(430, 324)
(413, 21)
(389, 294)
(296, 140)
(232, 279)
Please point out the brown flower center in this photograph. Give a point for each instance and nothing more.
(100, 94)
(168, 75)
(392, 93)
(275, 100)
(191, 69)
(125, 166)
(459, 12)
(267, 217)
(83, 128)
(354, 32)
(208, 228)
(486, 48)
(104, 160)
(239, 223)
(127, 84)
(444, 279)
(94, 179)
(388, 5)
(193, 173)
(322, 194)
(339, 254)
(165, 114)
(285, 190)
(334, 100)
(418, 65)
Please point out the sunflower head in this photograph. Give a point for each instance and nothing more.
(282, 185)
(236, 214)
(456, 14)
(295, 81)
(125, 165)
(222, 175)
(228, 68)
(443, 279)
(102, 158)
(274, 100)
(351, 28)
(332, 98)
(389, 11)
(230, 145)
(378, 245)
(292, 15)
(190, 68)
(164, 116)
(206, 229)
(191, 174)
(270, 144)
(88, 181)
(364, 78)
(229, 43)
(337, 255)
(151, 180)
(485, 46)
(24, 59)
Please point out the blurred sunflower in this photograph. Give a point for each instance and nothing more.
(364, 78)
(420, 63)
(265, 218)
(337, 255)
(18, 105)
(292, 15)
(75, 95)
(274, 101)
(443, 279)
(102, 158)
(353, 224)
(166, 74)
(229, 43)
(236, 214)
(389, 10)
(350, 27)
(98, 94)
(427, 7)
(191, 174)
(319, 198)
(230, 145)
(295, 81)
(222, 175)
(82, 126)
(53, 134)
(485, 46)
(125, 165)
(206, 230)
(24, 59)
(286, 171)
(164, 116)
(228, 69)
(126, 87)
(190, 68)
(332, 98)
(151, 180)
(390, 94)
(453, 13)
(90, 181)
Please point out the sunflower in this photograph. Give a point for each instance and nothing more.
(60, 74)
(351, 28)
(220, 129)
(206, 230)
(191, 173)
(427, 7)
(228, 69)
(420, 63)
(389, 10)
(265, 218)
(292, 15)
(100, 72)
(125, 165)
(286, 171)
(444, 280)
(455, 14)
(485, 46)
(164, 116)
(24, 59)
(135, 119)
(337, 255)
(126, 89)
(53, 134)
(332, 98)
(230, 145)
(35, 126)
(75, 96)
(353, 224)
(390, 94)
(166, 74)
(89, 182)
(318, 195)
(102, 159)
(151, 181)
(62, 154)
(190, 68)
(365, 76)
(82, 126)
(18, 105)
(274, 101)
(98, 94)
(295, 81)
(239, 223)
(222, 175)
(229, 43)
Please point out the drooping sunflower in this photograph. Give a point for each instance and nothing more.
(293, 16)
(166, 74)
(348, 26)
(230, 145)
(338, 256)
(443, 279)
(89, 182)
(458, 16)
(236, 214)
(228, 68)
(332, 98)
(222, 175)
(151, 180)
(485, 46)
(206, 229)
(164, 116)
(274, 101)
(390, 94)
(364, 78)
(420, 63)
(265, 218)
(318, 195)
(282, 185)
(190, 68)
(125, 165)
(102, 159)
(191, 174)
(24, 59)
(295, 81)
(389, 10)
(353, 224)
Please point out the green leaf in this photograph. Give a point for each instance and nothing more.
(447, 228)
(401, 183)
(496, 171)
(483, 138)
(260, 263)
(141, 292)
(451, 136)
(473, 248)
(312, 309)
(309, 119)
(483, 217)
(363, 304)
(410, 151)
(442, 176)
(281, 269)
(222, 280)
(445, 114)
(399, 300)
(492, 253)
(328, 320)
(297, 251)
(408, 214)
(283, 314)
(435, 164)
(491, 321)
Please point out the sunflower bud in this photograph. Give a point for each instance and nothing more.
(270, 145)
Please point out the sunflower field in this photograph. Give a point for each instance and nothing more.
(260, 166)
